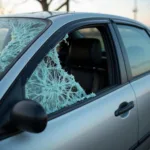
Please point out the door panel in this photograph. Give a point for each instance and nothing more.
(91, 127)
(135, 44)
(142, 91)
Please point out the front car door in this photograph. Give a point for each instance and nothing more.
(101, 122)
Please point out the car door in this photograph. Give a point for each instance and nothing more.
(107, 121)
(136, 45)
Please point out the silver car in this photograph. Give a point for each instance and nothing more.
(74, 81)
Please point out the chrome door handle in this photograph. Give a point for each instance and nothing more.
(124, 107)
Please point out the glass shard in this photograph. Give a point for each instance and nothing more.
(20, 32)
(53, 87)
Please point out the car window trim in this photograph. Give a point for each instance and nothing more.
(120, 58)
(75, 25)
(90, 23)
(129, 22)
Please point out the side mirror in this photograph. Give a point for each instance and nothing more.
(28, 115)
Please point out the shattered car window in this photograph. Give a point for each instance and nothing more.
(51, 86)
(15, 35)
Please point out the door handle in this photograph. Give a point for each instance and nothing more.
(124, 107)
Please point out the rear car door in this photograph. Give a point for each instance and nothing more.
(135, 42)
(106, 121)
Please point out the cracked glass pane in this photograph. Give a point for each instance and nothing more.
(53, 87)
(16, 34)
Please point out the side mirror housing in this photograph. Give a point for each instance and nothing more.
(28, 115)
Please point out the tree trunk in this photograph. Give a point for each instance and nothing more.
(44, 5)
(67, 5)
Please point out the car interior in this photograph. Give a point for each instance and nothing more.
(84, 57)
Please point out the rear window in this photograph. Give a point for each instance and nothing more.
(15, 35)
(137, 46)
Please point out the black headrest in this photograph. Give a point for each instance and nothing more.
(85, 51)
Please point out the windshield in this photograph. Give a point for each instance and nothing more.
(15, 35)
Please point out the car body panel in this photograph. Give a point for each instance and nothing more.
(142, 91)
(141, 88)
(93, 127)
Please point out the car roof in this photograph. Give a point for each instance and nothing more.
(41, 15)
(49, 14)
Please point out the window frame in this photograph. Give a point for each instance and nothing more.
(75, 25)
(123, 49)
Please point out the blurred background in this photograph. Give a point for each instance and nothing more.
(134, 9)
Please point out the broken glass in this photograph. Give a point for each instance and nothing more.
(53, 87)
(20, 32)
